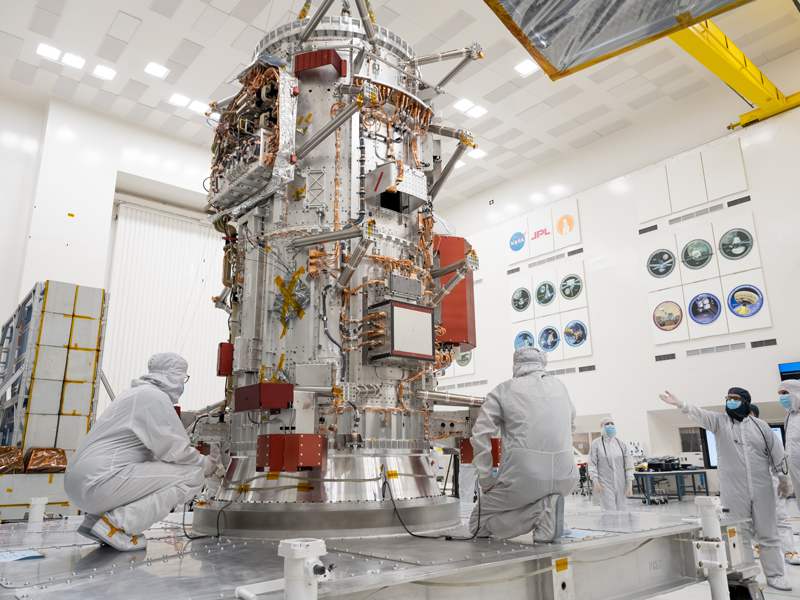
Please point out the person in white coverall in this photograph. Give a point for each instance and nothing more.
(536, 420)
(785, 531)
(136, 463)
(611, 468)
(747, 453)
(789, 396)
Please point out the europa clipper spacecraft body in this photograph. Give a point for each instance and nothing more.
(344, 304)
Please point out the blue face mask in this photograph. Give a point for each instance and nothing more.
(610, 429)
(183, 387)
(786, 401)
(733, 404)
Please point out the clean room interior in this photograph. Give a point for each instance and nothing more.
(367, 227)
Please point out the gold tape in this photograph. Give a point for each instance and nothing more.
(288, 299)
(304, 487)
(562, 564)
(51, 478)
(243, 489)
(274, 378)
(273, 475)
(392, 475)
(731, 533)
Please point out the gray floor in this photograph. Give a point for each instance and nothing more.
(701, 592)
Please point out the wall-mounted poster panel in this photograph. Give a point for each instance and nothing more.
(550, 337)
(652, 194)
(540, 232)
(659, 263)
(705, 309)
(464, 363)
(566, 223)
(571, 286)
(744, 295)
(687, 185)
(724, 169)
(575, 332)
(668, 316)
(736, 244)
(520, 298)
(697, 254)
(515, 240)
(524, 334)
(546, 294)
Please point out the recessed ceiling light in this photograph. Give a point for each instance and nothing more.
(199, 107)
(72, 60)
(460, 164)
(216, 117)
(463, 105)
(104, 72)
(48, 51)
(557, 189)
(537, 197)
(179, 100)
(526, 67)
(476, 111)
(157, 70)
(477, 153)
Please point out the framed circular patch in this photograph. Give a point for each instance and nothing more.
(745, 300)
(667, 316)
(464, 358)
(661, 263)
(521, 299)
(571, 287)
(736, 244)
(545, 293)
(524, 339)
(696, 254)
(549, 338)
(704, 309)
(575, 333)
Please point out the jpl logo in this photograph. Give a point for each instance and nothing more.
(540, 233)
(517, 241)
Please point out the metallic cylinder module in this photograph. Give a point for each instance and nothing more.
(321, 185)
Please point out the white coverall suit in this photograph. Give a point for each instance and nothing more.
(611, 465)
(745, 462)
(536, 420)
(792, 427)
(136, 463)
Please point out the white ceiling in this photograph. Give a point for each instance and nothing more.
(206, 42)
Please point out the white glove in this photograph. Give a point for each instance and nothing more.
(597, 488)
(784, 490)
(669, 398)
(212, 466)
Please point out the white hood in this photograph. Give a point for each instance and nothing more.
(167, 372)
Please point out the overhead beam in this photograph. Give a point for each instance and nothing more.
(714, 50)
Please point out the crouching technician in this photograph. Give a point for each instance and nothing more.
(136, 463)
(536, 420)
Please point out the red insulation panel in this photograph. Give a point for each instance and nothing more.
(320, 58)
(458, 307)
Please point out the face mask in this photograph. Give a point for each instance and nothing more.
(610, 429)
(183, 387)
(786, 400)
(733, 404)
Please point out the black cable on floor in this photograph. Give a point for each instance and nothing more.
(183, 521)
(221, 510)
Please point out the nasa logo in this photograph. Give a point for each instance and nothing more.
(517, 241)
(540, 233)
(565, 224)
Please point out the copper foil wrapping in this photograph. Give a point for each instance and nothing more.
(45, 460)
(11, 460)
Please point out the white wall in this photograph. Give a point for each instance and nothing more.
(21, 128)
(82, 152)
(628, 379)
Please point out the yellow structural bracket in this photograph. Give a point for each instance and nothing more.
(714, 50)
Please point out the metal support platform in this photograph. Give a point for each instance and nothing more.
(629, 555)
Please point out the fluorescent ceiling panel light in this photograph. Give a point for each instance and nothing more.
(476, 111)
(460, 164)
(216, 116)
(48, 51)
(199, 107)
(526, 67)
(178, 100)
(477, 154)
(71, 60)
(463, 105)
(157, 70)
(104, 72)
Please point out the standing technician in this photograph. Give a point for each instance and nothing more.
(611, 468)
(747, 453)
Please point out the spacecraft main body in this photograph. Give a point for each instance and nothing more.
(326, 165)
